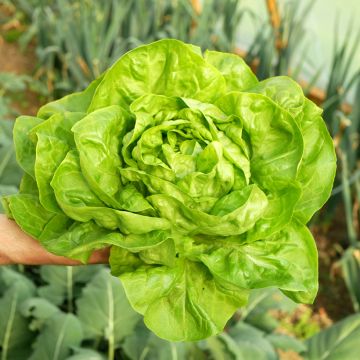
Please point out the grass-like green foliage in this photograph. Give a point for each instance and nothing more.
(283, 50)
(201, 178)
(77, 40)
(345, 129)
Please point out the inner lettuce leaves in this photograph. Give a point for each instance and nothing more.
(199, 177)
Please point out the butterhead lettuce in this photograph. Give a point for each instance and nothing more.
(199, 177)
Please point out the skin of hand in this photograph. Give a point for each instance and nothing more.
(16, 247)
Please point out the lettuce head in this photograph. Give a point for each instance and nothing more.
(199, 177)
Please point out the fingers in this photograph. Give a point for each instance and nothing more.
(16, 247)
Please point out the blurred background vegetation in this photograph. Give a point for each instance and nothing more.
(49, 48)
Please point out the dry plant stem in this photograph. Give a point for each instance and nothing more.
(16, 247)
(275, 21)
(196, 5)
(274, 13)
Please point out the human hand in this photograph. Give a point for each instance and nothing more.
(16, 247)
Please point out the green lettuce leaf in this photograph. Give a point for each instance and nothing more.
(24, 146)
(53, 139)
(165, 67)
(319, 154)
(236, 72)
(177, 304)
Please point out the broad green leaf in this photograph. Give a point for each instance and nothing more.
(284, 91)
(276, 141)
(111, 318)
(24, 147)
(252, 343)
(236, 72)
(259, 310)
(233, 215)
(64, 282)
(28, 185)
(180, 302)
(58, 335)
(79, 202)
(338, 342)
(166, 67)
(278, 212)
(33, 218)
(287, 259)
(277, 148)
(80, 241)
(318, 167)
(143, 344)
(53, 140)
(97, 138)
(223, 347)
(15, 336)
(286, 342)
(86, 354)
(39, 310)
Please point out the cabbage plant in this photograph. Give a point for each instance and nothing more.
(199, 177)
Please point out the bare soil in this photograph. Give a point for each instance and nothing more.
(333, 297)
(13, 60)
